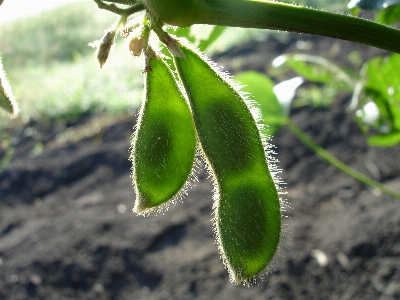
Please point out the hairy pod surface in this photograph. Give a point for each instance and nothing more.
(248, 212)
(7, 100)
(164, 145)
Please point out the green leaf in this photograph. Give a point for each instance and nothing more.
(372, 4)
(184, 32)
(389, 15)
(383, 86)
(261, 89)
(310, 72)
(7, 100)
(385, 140)
(318, 69)
(316, 96)
(202, 36)
(213, 35)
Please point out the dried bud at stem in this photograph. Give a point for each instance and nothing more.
(172, 46)
(104, 46)
(139, 40)
(166, 39)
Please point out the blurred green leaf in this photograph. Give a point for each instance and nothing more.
(318, 69)
(182, 32)
(261, 89)
(202, 36)
(311, 72)
(385, 140)
(212, 37)
(383, 85)
(316, 96)
(372, 4)
(389, 15)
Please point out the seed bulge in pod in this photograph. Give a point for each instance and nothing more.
(247, 210)
(164, 145)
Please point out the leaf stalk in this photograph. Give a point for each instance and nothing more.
(325, 155)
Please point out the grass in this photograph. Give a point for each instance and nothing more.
(68, 89)
(54, 35)
(53, 72)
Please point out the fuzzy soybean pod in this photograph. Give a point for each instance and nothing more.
(164, 145)
(247, 210)
(7, 100)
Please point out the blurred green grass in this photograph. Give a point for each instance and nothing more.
(331, 5)
(54, 73)
(54, 35)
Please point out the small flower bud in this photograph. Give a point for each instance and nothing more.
(104, 46)
(137, 45)
(138, 40)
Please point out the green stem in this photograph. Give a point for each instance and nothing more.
(337, 72)
(125, 2)
(120, 11)
(325, 155)
(274, 15)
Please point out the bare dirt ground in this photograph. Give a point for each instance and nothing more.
(67, 231)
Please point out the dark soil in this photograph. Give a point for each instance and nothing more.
(67, 231)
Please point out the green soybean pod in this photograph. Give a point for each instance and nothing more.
(247, 211)
(164, 146)
(7, 100)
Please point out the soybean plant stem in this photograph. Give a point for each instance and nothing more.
(120, 11)
(125, 2)
(325, 155)
(287, 17)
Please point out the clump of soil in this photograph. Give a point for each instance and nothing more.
(67, 231)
